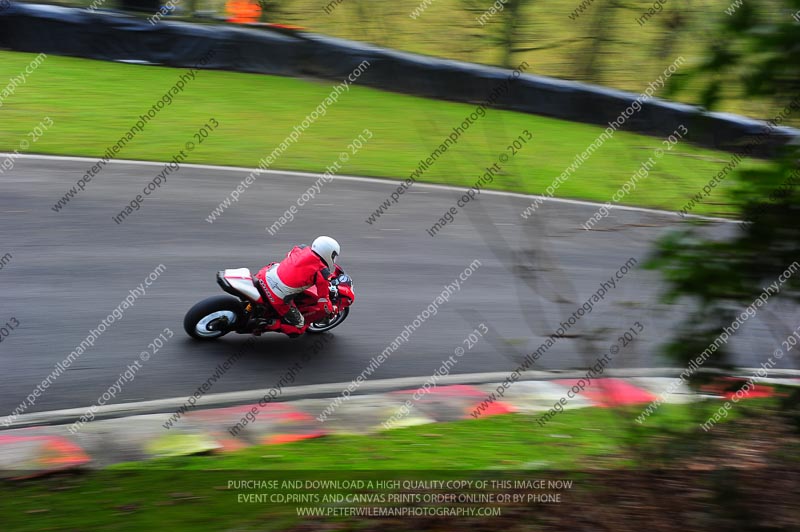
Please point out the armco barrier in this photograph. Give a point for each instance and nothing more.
(118, 37)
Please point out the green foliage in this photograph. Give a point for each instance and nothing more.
(722, 277)
(757, 47)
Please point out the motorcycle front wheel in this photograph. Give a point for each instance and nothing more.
(330, 323)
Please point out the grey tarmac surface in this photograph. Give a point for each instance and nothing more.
(70, 269)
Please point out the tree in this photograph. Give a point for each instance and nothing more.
(761, 49)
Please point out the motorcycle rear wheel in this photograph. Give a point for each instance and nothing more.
(213, 318)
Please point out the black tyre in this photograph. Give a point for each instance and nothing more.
(327, 325)
(213, 317)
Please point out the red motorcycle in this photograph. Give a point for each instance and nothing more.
(247, 311)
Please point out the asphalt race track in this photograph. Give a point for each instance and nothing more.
(70, 269)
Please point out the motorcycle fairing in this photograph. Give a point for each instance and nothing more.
(239, 282)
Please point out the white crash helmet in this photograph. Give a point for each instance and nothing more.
(327, 249)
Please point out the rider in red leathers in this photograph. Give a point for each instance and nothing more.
(303, 267)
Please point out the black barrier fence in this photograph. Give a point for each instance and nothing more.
(113, 36)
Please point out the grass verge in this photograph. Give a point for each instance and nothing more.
(93, 103)
(194, 493)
